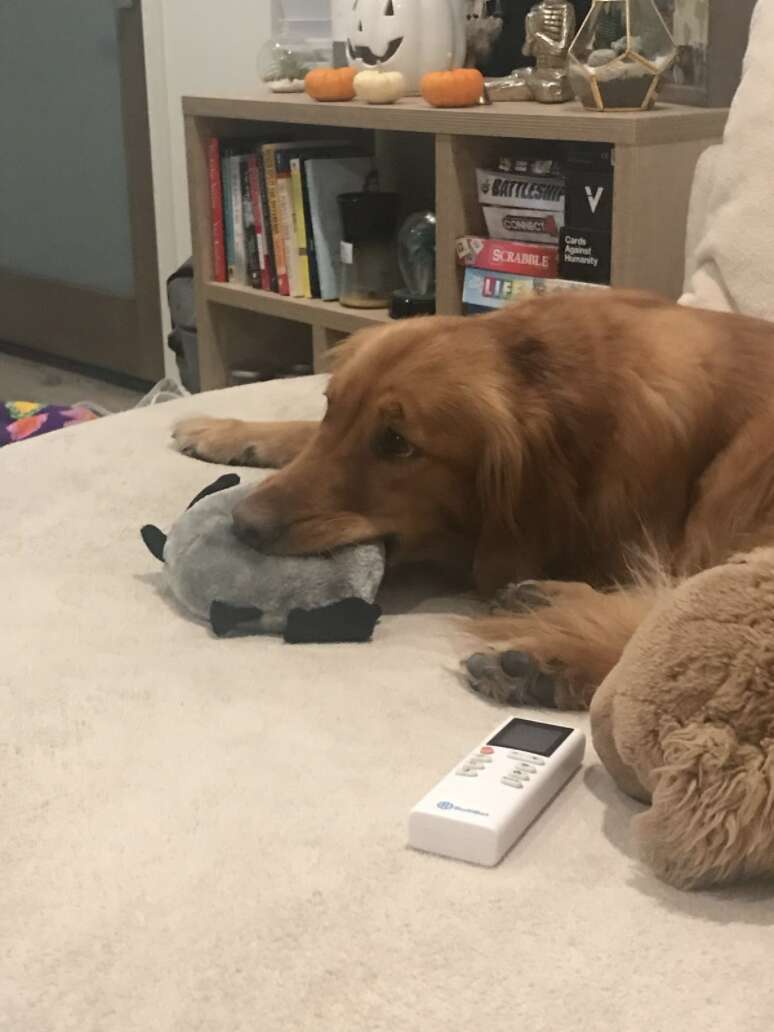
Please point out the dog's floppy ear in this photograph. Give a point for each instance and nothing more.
(498, 555)
(340, 355)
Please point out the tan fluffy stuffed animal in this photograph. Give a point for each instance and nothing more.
(685, 722)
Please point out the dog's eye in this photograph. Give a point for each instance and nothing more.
(392, 445)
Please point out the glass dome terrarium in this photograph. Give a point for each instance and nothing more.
(283, 62)
(619, 55)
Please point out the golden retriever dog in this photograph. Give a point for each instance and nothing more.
(542, 449)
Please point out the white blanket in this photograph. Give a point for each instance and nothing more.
(731, 225)
(205, 835)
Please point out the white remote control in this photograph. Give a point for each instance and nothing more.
(488, 801)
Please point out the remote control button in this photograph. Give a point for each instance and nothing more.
(467, 774)
(526, 758)
(486, 749)
(467, 767)
(511, 783)
(477, 758)
(527, 767)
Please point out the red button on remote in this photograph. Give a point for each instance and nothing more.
(486, 749)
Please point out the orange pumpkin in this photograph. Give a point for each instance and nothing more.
(330, 83)
(461, 87)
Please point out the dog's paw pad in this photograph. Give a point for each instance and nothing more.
(477, 665)
(509, 677)
(516, 664)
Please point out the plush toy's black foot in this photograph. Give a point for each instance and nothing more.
(349, 620)
(155, 540)
(225, 618)
(510, 677)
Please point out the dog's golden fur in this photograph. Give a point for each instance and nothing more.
(560, 437)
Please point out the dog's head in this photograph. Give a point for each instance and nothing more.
(420, 445)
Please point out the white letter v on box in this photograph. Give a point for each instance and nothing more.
(594, 198)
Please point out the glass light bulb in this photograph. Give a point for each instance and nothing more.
(416, 253)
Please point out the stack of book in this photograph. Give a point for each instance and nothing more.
(535, 213)
(275, 217)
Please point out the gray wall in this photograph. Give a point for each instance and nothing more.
(63, 185)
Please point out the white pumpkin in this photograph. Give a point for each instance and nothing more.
(378, 87)
(407, 36)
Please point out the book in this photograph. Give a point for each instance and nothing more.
(314, 276)
(268, 239)
(512, 190)
(252, 259)
(523, 224)
(485, 289)
(240, 254)
(264, 281)
(284, 188)
(516, 257)
(327, 177)
(268, 151)
(228, 221)
(219, 270)
(299, 224)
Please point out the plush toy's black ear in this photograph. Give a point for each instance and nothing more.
(353, 619)
(221, 484)
(155, 540)
(225, 618)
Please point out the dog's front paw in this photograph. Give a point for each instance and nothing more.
(213, 440)
(510, 677)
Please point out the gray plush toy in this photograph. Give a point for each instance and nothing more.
(221, 580)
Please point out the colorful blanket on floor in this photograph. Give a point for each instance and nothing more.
(22, 419)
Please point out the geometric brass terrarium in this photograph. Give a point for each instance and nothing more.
(619, 55)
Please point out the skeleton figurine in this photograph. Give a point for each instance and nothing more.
(550, 27)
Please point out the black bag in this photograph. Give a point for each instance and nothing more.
(183, 339)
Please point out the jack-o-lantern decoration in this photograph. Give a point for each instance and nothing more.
(407, 36)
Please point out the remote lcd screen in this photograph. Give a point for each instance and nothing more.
(530, 736)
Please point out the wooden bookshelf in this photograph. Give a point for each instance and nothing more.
(430, 156)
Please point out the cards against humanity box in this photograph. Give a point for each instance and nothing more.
(508, 256)
(584, 254)
(510, 190)
(589, 199)
(540, 227)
